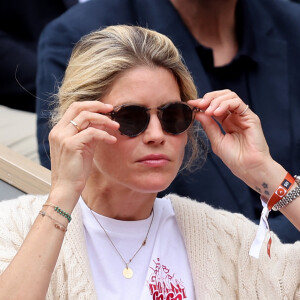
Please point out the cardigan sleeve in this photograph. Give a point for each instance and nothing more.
(274, 277)
(71, 278)
(218, 244)
(16, 219)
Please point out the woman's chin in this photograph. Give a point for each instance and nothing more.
(154, 186)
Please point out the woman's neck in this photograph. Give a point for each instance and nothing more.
(117, 202)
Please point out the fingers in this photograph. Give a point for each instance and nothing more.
(223, 108)
(221, 103)
(83, 115)
(76, 125)
(212, 129)
(94, 135)
(74, 140)
(77, 107)
(87, 119)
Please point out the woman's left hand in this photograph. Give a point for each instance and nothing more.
(242, 145)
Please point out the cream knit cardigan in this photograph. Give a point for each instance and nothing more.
(217, 243)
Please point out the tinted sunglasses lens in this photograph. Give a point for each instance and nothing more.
(133, 120)
(176, 117)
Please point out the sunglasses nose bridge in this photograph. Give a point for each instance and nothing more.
(155, 111)
(152, 110)
(159, 112)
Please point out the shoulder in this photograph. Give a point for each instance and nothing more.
(282, 17)
(60, 35)
(203, 217)
(282, 7)
(277, 7)
(184, 205)
(92, 15)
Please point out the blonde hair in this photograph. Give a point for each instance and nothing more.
(103, 55)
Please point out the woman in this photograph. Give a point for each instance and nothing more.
(123, 123)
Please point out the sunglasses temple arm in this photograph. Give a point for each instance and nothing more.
(110, 114)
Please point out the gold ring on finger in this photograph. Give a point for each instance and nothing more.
(75, 124)
(243, 112)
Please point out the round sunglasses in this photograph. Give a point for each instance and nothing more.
(175, 117)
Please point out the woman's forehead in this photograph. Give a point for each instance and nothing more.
(149, 86)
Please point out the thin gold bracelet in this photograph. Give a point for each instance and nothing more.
(57, 224)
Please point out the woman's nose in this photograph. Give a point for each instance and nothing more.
(154, 133)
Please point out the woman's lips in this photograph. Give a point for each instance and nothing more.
(154, 160)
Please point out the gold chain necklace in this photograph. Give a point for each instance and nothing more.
(127, 272)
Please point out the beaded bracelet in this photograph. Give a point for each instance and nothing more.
(289, 197)
(57, 224)
(60, 211)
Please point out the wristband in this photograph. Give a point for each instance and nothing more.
(289, 197)
(281, 191)
(263, 227)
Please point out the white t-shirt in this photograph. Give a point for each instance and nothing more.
(160, 269)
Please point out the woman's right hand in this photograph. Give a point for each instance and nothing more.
(29, 273)
(72, 150)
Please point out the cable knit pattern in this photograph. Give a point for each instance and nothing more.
(217, 243)
(72, 277)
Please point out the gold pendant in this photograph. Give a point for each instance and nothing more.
(127, 273)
